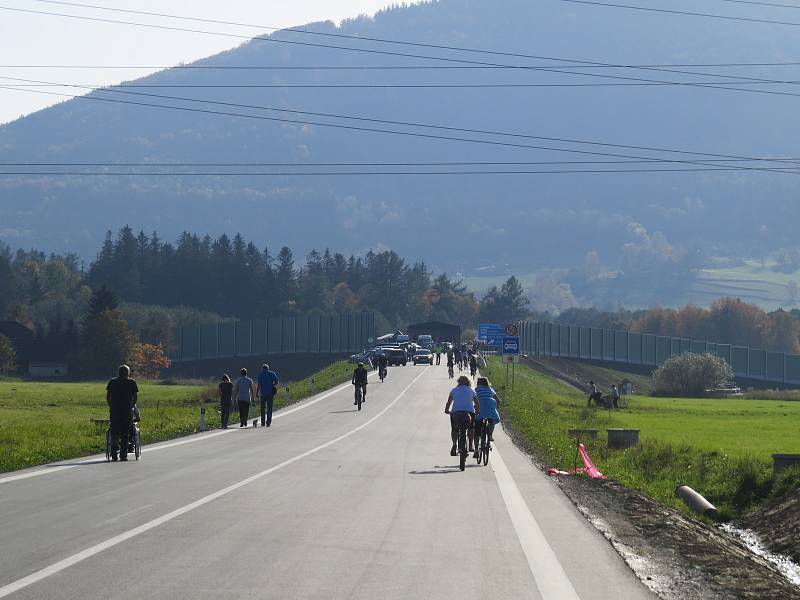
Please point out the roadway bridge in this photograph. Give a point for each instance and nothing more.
(327, 503)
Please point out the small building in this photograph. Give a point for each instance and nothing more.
(439, 330)
(34, 357)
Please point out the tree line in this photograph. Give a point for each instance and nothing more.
(232, 276)
(139, 287)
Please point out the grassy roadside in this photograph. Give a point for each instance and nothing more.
(42, 422)
(719, 447)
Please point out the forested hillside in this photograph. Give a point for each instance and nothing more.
(637, 228)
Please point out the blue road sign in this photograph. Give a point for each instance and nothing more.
(510, 345)
(494, 337)
(483, 330)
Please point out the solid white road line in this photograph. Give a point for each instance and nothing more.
(550, 577)
(61, 565)
(163, 446)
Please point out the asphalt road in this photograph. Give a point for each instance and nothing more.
(327, 503)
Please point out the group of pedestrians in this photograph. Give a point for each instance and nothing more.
(245, 392)
(596, 396)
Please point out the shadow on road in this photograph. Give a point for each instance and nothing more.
(338, 412)
(99, 461)
(441, 470)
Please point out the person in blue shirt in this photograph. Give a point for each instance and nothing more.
(266, 389)
(488, 402)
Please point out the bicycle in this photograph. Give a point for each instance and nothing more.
(461, 436)
(485, 446)
(359, 395)
(382, 373)
(450, 373)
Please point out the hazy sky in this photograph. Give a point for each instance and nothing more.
(32, 39)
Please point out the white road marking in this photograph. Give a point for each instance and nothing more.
(61, 565)
(163, 446)
(550, 577)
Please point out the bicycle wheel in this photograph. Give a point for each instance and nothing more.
(485, 452)
(462, 448)
(359, 397)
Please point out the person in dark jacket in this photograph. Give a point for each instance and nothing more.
(121, 395)
(360, 381)
(225, 399)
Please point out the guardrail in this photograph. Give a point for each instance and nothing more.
(318, 334)
(593, 343)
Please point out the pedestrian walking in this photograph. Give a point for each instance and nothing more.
(225, 400)
(266, 388)
(121, 395)
(243, 392)
(615, 395)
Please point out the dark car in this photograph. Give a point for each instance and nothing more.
(396, 356)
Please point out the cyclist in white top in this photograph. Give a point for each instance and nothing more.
(462, 404)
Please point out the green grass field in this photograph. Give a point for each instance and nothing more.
(41, 422)
(722, 448)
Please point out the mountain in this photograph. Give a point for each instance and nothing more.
(457, 223)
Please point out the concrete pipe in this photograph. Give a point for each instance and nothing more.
(694, 500)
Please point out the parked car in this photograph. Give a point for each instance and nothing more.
(423, 356)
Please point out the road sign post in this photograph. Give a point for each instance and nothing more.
(511, 353)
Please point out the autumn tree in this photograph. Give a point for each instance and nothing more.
(148, 360)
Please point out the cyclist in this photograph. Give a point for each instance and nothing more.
(450, 364)
(459, 359)
(438, 351)
(382, 366)
(489, 402)
(473, 365)
(462, 403)
(360, 381)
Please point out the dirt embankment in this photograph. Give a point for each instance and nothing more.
(778, 525)
(677, 557)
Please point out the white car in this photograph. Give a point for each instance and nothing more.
(423, 355)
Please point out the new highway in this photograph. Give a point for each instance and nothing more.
(328, 503)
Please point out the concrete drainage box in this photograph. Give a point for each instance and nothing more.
(623, 438)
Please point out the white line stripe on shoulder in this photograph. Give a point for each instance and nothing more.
(550, 577)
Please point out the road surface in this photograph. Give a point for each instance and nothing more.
(327, 503)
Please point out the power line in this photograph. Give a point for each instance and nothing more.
(795, 6)
(410, 124)
(404, 67)
(404, 124)
(382, 173)
(338, 164)
(399, 42)
(112, 87)
(683, 12)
